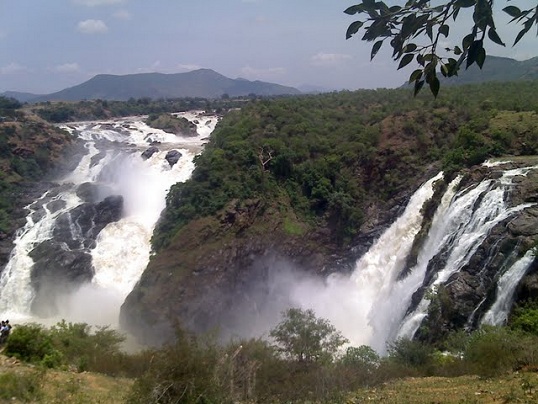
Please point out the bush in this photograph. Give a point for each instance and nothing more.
(183, 372)
(29, 343)
(411, 353)
(492, 351)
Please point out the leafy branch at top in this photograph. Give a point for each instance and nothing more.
(414, 32)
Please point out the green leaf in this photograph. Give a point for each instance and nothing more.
(457, 50)
(524, 31)
(434, 85)
(473, 53)
(416, 75)
(410, 47)
(492, 34)
(512, 11)
(467, 41)
(443, 29)
(406, 59)
(353, 28)
(429, 31)
(354, 9)
(465, 3)
(375, 49)
(368, 4)
(481, 57)
(444, 70)
(418, 85)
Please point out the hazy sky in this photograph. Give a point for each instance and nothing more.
(47, 45)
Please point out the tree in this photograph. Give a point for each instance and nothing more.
(304, 337)
(414, 32)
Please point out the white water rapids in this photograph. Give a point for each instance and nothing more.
(122, 248)
(370, 306)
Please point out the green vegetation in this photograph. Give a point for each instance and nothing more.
(305, 338)
(171, 124)
(298, 367)
(29, 149)
(63, 111)
(325, 158)
(416, 30)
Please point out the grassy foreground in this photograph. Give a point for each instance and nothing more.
(24, 383)
(513, 388)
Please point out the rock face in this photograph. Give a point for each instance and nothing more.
(468, 294)
(149, 152)
(173, 157)
(221, 272)
(224, 272)
(64, 261)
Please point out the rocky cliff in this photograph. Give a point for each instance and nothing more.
(306, 185)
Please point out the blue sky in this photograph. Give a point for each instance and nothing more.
(48, 45)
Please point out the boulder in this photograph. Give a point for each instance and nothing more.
(173, 157)
(149, 152)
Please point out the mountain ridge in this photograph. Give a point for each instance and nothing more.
(201, 83)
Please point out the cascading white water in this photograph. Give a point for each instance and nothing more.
(351, 303)
(472, 213)
(122, 248)
(506, 286)
(369, 307)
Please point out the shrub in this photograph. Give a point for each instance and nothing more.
(305, 338)
(492, 351)
(411, 353)
(182, 372)
(29, 343)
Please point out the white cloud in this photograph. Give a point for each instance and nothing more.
(13, 68)
(93, 3)
(257, 74)
(188, 67)
(67, 68)
(92, 27)
(329, 59)
(122, 15)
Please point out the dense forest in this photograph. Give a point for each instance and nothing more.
(319, 160)
(329, 155)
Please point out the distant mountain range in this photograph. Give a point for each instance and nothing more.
(496, 69)
(206, 83)
(203, 83)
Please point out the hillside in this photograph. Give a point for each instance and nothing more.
(496, 69)
(203, 83)
(310, 183)
(31, 150)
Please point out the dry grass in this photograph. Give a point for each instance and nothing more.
(54, 386)
(513, 388)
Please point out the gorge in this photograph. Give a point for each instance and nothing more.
(389, 224)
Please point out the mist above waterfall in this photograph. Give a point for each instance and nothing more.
(117, 248)
(374, 304)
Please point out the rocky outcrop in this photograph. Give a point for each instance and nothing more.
(222, 274)
(149, 152)
(469, 293)
(64, 261)
(172, 157)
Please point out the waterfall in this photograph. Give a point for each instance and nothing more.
(371, 305)
(113, 165)
(353, 303)
(472, 213)
(506, 287)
